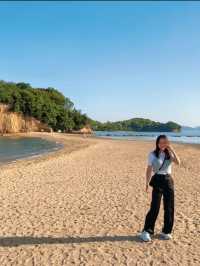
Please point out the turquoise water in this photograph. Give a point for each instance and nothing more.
(191, 136)
(12, 149)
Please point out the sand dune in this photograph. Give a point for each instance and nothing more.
(85, 205)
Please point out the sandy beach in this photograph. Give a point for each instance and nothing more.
(86, 204)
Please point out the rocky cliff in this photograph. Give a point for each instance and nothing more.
(11, 122)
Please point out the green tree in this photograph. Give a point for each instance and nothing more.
(47, 105)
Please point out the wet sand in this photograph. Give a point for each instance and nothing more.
(86, 204)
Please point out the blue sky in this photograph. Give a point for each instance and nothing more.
(114, 60)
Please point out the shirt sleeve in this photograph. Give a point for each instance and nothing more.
(150, 159)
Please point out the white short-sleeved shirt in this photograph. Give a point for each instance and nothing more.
(157, 162)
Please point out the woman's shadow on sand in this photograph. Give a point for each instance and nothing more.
(14, 241)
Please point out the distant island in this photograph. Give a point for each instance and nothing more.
(48, 109)
(136, 124)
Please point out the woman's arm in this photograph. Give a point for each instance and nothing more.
(148, 176)
(173, 155)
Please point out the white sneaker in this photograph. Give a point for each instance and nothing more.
(166, 236)
(145, 236)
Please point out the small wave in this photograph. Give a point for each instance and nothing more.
(192, 136)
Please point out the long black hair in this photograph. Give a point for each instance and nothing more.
(157, 149)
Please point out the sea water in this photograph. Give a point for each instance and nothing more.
(14, 148)
(184, 136)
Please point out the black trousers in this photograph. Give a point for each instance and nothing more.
(163, 185)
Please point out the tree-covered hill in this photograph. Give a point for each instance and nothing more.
(136, 124)
(51, 107)
(47, 105)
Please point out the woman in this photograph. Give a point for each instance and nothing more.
(160, 161)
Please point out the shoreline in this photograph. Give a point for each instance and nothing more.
(193, 145)
(71, 143)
